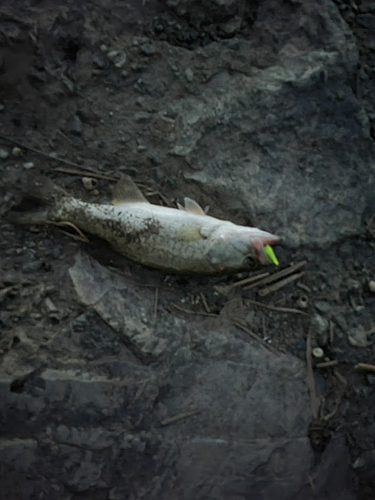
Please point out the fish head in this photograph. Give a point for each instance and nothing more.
(243, 248)
(255, 244)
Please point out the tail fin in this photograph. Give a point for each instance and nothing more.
(41, 188)
(40, 194)
(29, 217)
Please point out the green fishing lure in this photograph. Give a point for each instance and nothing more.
(268, 250)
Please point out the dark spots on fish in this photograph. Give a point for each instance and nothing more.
(115, 228)
(150, 227)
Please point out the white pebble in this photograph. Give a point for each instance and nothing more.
(318, 352)
(112, 54)
(371, 286)
(189, 75)
(16, 151)
(89, 183)
(50, 306)
(28, 165)
(4, 154)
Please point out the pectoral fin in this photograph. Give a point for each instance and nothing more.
(127, 192)
(190, 234)
(193, 207)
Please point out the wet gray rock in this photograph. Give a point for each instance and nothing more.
(302, 162)
(202, 421)
(211, 9)
(115, 404)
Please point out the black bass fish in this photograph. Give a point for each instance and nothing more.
(183, 240)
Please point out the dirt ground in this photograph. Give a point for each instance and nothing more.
(59, 109)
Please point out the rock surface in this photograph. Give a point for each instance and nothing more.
(304, 164)
(212, 416)
(262, 111)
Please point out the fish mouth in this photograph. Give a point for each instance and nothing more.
(265, 255)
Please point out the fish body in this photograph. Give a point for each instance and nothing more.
(183, 240)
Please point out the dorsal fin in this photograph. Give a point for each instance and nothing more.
(193, 207)
(127, 192)
(180, 207)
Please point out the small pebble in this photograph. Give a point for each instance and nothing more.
(4, 154)
(358, 337)
(74, 125)
(16, 151)
(28, 165)
(148, 49)
(322, 306)
(319, 324)
(89, 183)
(120, 60)
(117, 57)
(189, 75)
(371, 286)
(2, 107)
(303, 302)
(318, 352)
(50, 306)
(358, 462)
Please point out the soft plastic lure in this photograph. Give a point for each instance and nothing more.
(268, 250)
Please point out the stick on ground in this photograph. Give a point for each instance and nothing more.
(310, 380)
(279, 274)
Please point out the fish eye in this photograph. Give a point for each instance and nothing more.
(250, 262)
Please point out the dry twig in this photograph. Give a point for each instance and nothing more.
(275, 308)
(78, 170)
(365, 366)
(82, 237)
(187, 414)
(204, 301)
(279, 274)
(331, 332)
(280, 284)
(155, 315)
(340, 377)
(250, 279)
(189, 311)
(310, 381)
(327, 364)
(88, 173)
